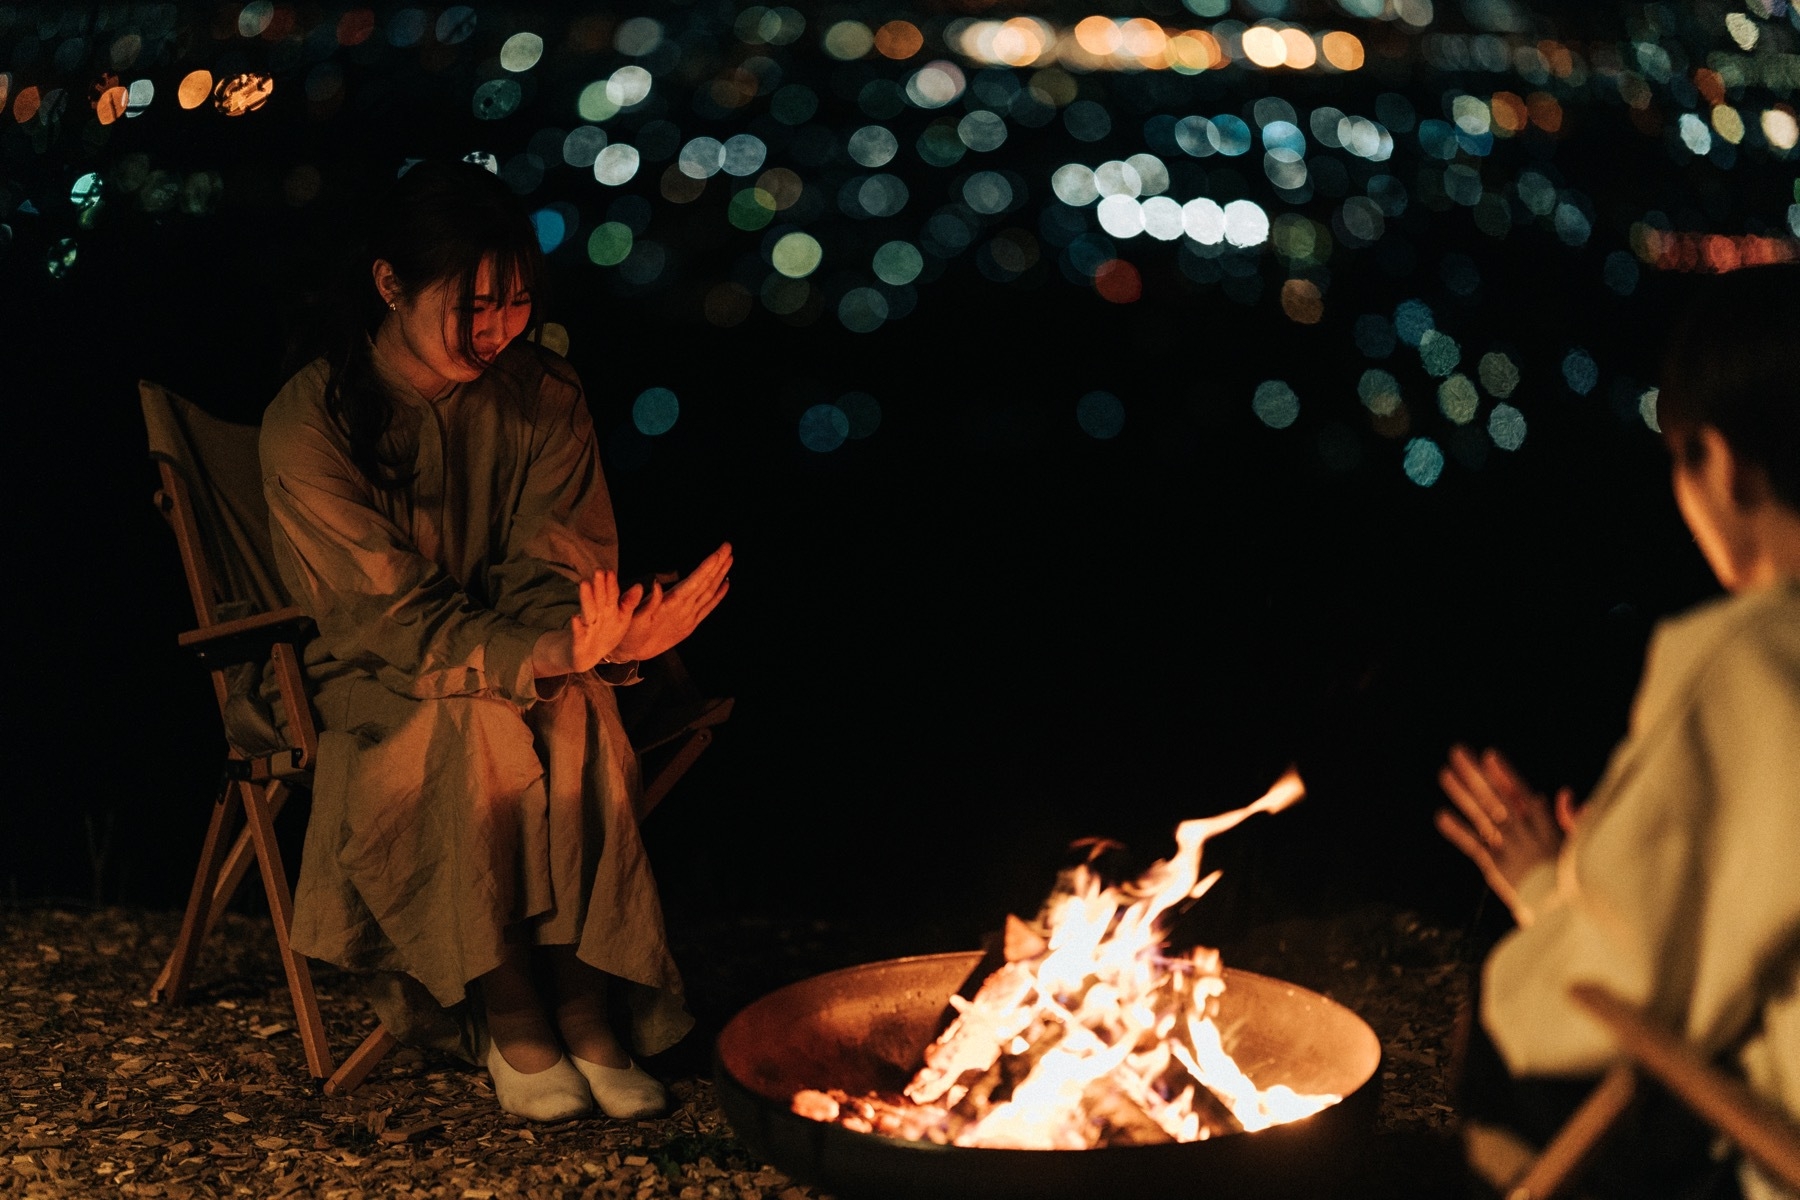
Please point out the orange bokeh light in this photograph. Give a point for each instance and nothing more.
(1557, 58)
(1019, 42)
(25, 104)
(899, 39)
(1509, 112)
(1342, 50)
(1709, 84)
(1546, 112)
(1301, 53)
(1301, 301)
(1097, 35)
(111, 105)
(242, 93)
(1195, 50)
(196, 87)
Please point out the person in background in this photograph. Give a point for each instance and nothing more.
(438, 508)
(1676, 885)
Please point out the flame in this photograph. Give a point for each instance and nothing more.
(1091, 1033)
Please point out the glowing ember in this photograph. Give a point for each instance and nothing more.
(1090, 1034)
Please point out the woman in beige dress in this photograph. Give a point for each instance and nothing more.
(438, 507)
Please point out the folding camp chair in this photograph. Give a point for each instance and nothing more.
(212, 497)
(1765, 1135)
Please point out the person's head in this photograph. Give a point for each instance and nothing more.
(1729, 408)
(456, 262)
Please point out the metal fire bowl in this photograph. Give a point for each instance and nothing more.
(865, 1029)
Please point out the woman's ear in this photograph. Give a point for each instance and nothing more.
(1729, 476)
(387, 284)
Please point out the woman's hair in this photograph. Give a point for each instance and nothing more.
(438, 222)
(1733, 363)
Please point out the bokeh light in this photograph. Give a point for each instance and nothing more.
(616, 164)
(1101, 415)
(609, 244)
(1439, 353)
(848, 40)
(1580, 371)
(863, 310)
(1118, 282)
(521, 52)
(1506, 425)
(823, 428)
(1302, 301)
(1458, 400)
(655, 411)
(1275, 404)
(1423, 461)
(899, 40)
(898, 263)
(1379, 185)
(796, 254)
(242, 93)
(1413, 319)
(1498, 374)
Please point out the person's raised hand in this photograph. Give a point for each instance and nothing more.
(594, 630)
(668, 615)
(1506, 828)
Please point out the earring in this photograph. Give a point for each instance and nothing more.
(393, 306)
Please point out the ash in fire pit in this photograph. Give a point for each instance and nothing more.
(1090, 1036)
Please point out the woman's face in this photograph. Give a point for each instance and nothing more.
(429, 327)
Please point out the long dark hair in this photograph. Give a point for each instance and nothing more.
(1731, 364)
(439, 221)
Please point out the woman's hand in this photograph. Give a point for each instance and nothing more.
(666, 617)
(593, 633)
(1505, 827)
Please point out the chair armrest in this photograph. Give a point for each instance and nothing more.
(247, 638)
(710, 712)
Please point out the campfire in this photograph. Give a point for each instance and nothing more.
(1082, 1030)
(1090, 1034)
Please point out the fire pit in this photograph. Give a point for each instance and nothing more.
(1083, 1055)
(865, 1029)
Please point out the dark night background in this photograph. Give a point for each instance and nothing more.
(964, 641)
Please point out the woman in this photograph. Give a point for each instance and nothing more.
(437, 506)
(1675, 884)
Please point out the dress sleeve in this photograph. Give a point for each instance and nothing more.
(379, 603)
(562, 527)
(1679, 885)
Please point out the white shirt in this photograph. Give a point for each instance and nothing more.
(1680, 887)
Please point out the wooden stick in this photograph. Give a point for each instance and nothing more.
(1575, 1142)
(1765, 1134)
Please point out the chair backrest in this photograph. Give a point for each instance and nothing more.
(222, 524)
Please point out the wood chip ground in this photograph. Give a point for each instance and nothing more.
(104, 1094)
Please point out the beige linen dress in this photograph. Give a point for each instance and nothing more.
(459, 804)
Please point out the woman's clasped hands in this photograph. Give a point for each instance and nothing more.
(1506, 828)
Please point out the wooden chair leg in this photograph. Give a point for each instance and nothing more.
(171, 984)
(238, 863)
(1575, 1142)
(1766, 1134)
(362, 1060)
(281, 910)
(665, 779)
